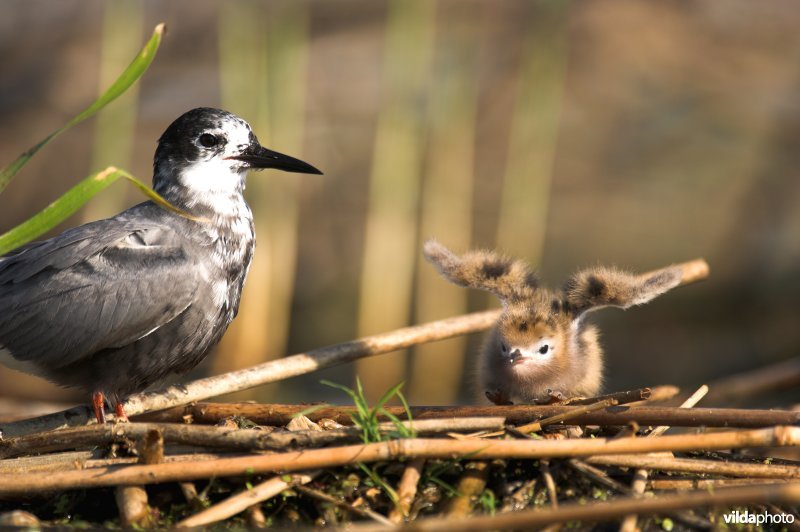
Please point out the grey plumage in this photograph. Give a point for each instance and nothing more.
(116, 305)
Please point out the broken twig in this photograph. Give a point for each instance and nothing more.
(242, 501)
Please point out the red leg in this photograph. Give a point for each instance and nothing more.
(98, 403)
(120, 411)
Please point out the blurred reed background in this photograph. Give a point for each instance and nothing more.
(569, 133)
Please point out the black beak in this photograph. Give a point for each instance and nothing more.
(256, 156)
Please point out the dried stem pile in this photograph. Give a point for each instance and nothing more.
(513, 467)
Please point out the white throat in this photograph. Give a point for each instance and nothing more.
(214, 177)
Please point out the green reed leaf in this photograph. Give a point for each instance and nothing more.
(134, 71)
(71, 201)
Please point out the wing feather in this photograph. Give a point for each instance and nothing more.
(94, 287)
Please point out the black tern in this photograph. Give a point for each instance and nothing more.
(115, 305)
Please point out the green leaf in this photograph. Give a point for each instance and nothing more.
(379, 482)
(391, 392)
(412, 431)
(341, 387)
(70, 202)
(401, 430)
(123, 82)
(360, 400)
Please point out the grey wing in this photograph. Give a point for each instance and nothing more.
(93, 288)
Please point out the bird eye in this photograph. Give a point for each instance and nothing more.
(543, 350)
(503, 347)
(208, 140)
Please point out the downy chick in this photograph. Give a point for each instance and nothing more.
(541, 348)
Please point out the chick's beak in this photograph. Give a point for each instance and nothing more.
(516, 357)
(257, 156)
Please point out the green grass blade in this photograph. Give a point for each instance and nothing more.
(341, 387)
(400, 430)
(449, 488)
(360, 400)
(134, 71)
(357, 418)
(391, 392)
(379, 482)
(408, 411)
(70, 202)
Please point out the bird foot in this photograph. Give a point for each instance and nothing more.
(119, 410)
(99, 407)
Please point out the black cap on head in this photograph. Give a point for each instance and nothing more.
(204, 133)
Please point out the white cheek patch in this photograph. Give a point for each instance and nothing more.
(217, 180)
(536, 352)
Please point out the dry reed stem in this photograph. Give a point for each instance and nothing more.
(243, 500)
(470, 485)
(751, 383)
(222, 437)
(621, 398)
(640, 475)
(599, 476)
(696, 465)
(255, 517)
(662, 393)
(407, 490)
(72, 460)
(392, 450)
(363, 512)
(279, 415)
(690, 402)
(272, 371)
(705, 483)
(133, 508)
(544, 469)
(608, 510)
(53, 462)
(152, 447)
(558, 418)
(189, 491)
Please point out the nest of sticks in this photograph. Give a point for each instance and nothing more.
(182, 462)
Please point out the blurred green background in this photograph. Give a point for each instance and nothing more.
(623, 132)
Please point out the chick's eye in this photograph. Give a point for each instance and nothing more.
(208, 140)
(503, 347)
(543, 350)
